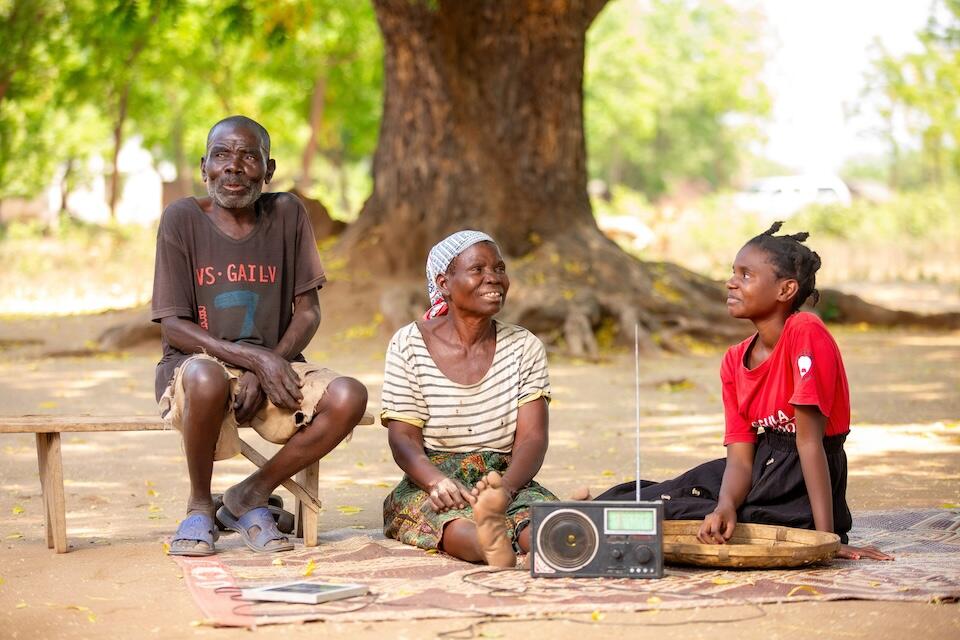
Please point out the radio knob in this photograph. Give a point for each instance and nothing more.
(643, 554)
(616, 553)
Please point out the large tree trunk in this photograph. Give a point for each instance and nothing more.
(482, 126)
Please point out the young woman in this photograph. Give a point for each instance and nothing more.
(789, 380)
(465, 402)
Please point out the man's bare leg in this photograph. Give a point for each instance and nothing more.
(205, 403)
(337, 413)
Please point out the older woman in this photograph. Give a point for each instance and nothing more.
(465, 403)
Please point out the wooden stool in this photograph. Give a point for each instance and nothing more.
(304, 487)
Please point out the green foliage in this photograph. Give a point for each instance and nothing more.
(672, 92)
(918, 92)
(85, 74)
(928, 215)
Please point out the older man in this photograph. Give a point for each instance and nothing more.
(235, 292)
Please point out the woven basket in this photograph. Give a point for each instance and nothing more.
(753, 546)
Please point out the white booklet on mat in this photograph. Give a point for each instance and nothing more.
(306, 592)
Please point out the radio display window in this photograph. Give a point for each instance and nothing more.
(627, 521)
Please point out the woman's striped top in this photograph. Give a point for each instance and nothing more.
(460, 417)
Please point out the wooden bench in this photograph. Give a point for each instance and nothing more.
(304, 486)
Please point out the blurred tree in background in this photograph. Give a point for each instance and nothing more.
(83, 76)
(673, 92)
(671, 86)
(917, 94)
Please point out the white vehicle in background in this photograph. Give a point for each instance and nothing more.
(780, 197)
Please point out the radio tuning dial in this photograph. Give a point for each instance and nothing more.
(643, 554)
(616, 553)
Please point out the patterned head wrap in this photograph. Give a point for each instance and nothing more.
(440, 258)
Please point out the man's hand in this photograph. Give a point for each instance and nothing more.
(278, 379)
(250, 397)
(449, 494)
(717, 527)
(859, 553)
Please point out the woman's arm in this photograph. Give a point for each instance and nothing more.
(529, 445)
(737, 478)
(406, 443)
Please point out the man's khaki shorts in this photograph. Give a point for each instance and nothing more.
(271, 422)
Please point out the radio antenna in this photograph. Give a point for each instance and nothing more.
(636, 357)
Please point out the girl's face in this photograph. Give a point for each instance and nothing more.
(754, 291)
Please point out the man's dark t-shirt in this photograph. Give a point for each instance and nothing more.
(237, 290)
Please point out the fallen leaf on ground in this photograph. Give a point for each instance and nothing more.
(21, 605)
(49, 404)
(654, 600)
(722, 581)
(348, 509)
(607, 473)
(14, 536)
(383, 485)
(152, 493)
(596, 616)
(803, 587)
(154, 508)
(17, 510)
(166, 548)
(310, 568)
(277, 562)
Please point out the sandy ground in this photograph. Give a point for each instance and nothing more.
(125, 491)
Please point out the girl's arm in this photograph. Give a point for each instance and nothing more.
(406, 443)
(811, 425)
(737, 478)
(529, 445)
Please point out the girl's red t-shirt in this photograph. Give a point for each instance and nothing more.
(805, 368)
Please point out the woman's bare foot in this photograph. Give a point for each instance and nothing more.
(581, 494)
(489, 514)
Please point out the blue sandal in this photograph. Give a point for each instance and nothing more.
(256, 517)
(198, 527)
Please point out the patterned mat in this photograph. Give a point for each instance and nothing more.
(407, 583)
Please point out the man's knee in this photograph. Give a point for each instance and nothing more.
(205, 381)
(347, 396)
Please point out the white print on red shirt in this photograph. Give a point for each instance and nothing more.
(804, 364)
(779, 421)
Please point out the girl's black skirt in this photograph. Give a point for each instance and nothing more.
(777, 495)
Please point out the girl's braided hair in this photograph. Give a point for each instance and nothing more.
(791, 259)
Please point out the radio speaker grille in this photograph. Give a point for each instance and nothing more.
(567, 540)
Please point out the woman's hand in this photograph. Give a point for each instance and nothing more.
(250, 397)
(447, 494)
(717, 527)
(850, 552)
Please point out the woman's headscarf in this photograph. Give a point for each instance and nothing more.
(440, 258)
